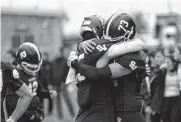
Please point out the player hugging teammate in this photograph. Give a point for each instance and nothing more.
(109, 78)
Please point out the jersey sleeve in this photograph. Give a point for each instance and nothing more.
(11, 76)
(15, 81)
(132, 61)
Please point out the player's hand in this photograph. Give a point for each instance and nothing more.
(88, 46)
(73, 56)
(32, 117)
(53, 93)
(149, 110)
(10, 120)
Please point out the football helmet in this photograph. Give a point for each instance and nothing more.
(29, 57)
(120, 27)
(93, 24)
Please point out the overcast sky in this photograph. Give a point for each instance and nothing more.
(78, 9)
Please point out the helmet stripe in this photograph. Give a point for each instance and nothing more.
(110, 21)
(35, 47)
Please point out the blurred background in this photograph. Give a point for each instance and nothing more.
(54, 26)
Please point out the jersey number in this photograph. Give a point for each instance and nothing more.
(122, 22)
(33, 86)
(101, 47)
(133, 65)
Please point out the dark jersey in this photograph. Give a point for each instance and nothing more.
(128, 88)
(10, 79)
(101, 90)
(99, 49)
(35, 87)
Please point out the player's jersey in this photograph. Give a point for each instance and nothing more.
(99, 49)
(99, 91)
(10, 79)
(33, 84)
(128, 98)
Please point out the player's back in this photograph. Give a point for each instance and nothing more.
(100, 90)
(100, 48)
(128, 88)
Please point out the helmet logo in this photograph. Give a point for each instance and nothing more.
(15, 74)
(23, 54)
(122, 22)
(86, 23)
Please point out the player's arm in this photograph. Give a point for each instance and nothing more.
(113, 70)
(25, 97)
(118, 49)
(121, 67)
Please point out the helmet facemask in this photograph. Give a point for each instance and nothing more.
(31, 69)
(125, 37)
(85, 29)
(88, 35)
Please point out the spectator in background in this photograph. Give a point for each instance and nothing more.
(155, 105)
(44, 76)
(171, 91)
(59, 71)
(177, 57)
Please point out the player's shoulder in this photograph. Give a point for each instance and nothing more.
(132, 61)
(6, 66)
(24, 76)
(103, 44)
(102, 41)
(134, 55)
(10, 70)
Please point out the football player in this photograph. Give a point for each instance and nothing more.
(29, 60)
(10, 78)
(94, 106)
(92, 30)
(127, 71)
(93, 27)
